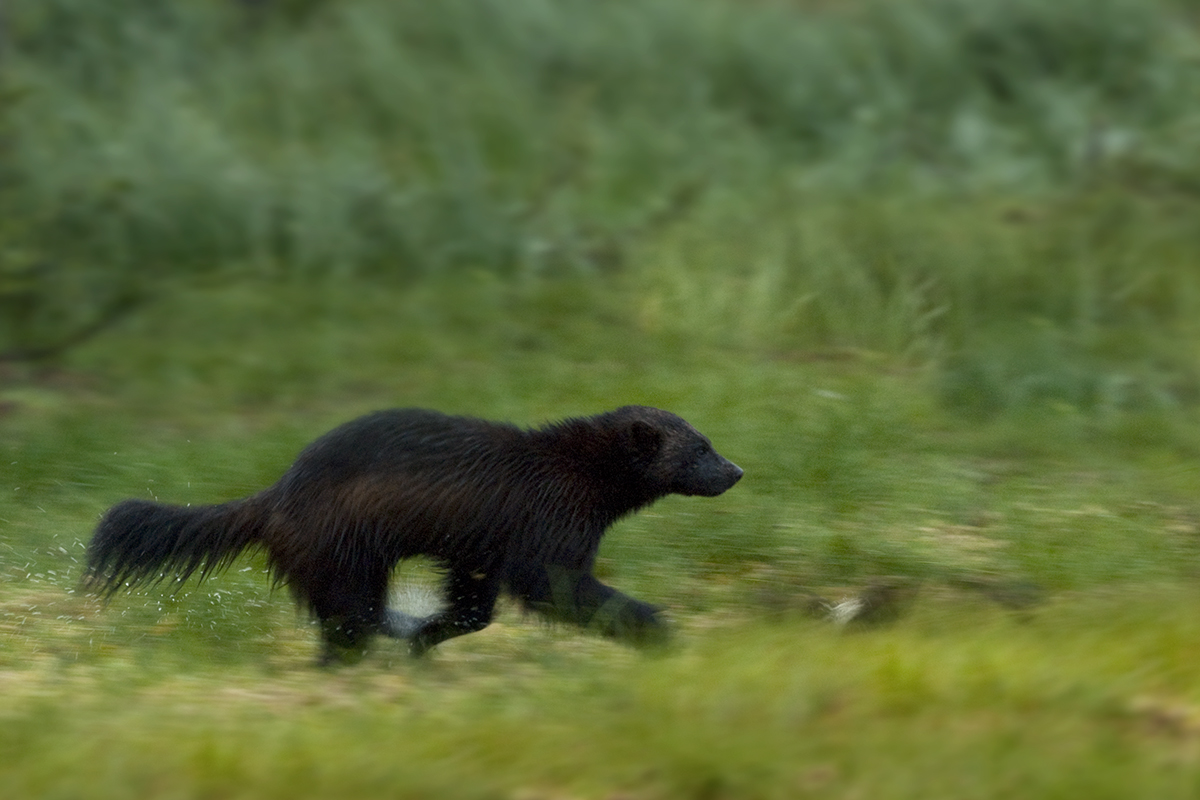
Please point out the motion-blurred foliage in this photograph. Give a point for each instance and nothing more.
(407, 137)
(1005, 188)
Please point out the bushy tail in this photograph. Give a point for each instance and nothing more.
(138, 541)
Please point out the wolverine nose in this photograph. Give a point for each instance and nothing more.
(738, 472)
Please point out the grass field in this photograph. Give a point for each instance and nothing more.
(1049, 650)
(928, 270)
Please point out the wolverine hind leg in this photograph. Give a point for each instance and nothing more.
(351, 610)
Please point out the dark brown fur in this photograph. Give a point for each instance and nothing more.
(498, 507)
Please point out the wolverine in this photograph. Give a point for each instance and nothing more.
(497, 507)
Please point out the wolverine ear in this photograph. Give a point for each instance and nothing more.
(644, 438)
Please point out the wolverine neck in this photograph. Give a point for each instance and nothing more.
(594, 460)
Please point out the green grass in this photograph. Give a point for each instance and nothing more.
(407, 137)
(925, 269)
(854, 471)
(1004, 189)
(957, 701)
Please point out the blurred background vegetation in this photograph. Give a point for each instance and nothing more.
(928, 269)
(919, 179)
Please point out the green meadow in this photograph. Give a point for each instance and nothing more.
(928, 270)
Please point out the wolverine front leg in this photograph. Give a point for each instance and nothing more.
(576, 596)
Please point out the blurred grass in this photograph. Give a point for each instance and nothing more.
(1045, 709)
(406, 137)
(1005, 189)
(925, 269)
(1047, 651)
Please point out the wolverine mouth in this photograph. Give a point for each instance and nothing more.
(733, 474)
